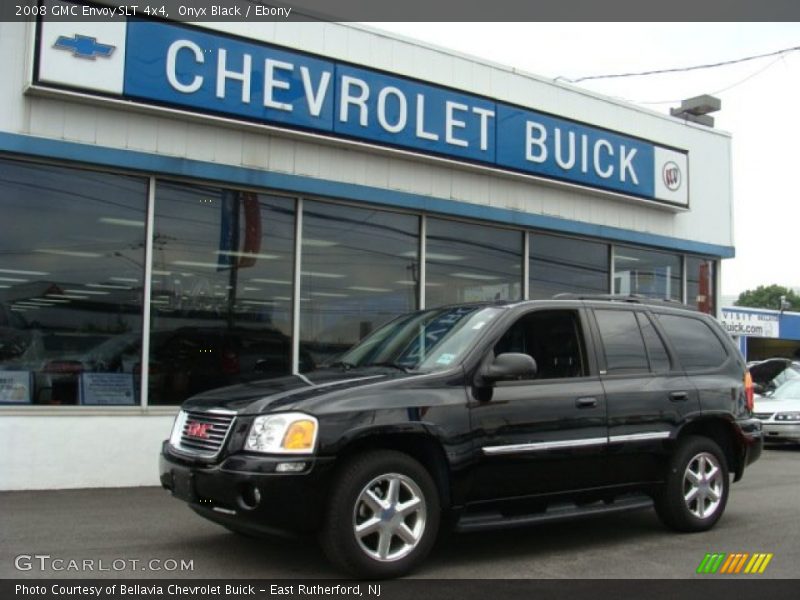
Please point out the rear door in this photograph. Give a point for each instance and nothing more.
(646, 391)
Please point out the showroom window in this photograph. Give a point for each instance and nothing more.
(700, 284)
(466, 262)
(359, 269)
(71, 273)
(560, 264)
(647, 272)
(221, 298)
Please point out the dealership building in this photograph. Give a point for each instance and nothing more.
(190, 206)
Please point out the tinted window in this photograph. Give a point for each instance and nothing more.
(622, 342)
(656, 352)
(71, 270)
(553, 338)
(694, 341)
(359, 271)
(466, 262)
(647, 272)
(221, 289)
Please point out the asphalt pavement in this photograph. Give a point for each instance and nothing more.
(145, 533)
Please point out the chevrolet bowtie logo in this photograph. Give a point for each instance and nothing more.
(84, 46)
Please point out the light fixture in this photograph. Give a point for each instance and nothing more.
(122, 222)
(476, 276)
(328, 295)
(359, 288)
(243, 255)
(195, 263)
(697, 109)
(433, 256)
(73, 253)
(322, 275)
(20, 272)
(107, 286)
(318, 243)
(273, 281)
(91, 292)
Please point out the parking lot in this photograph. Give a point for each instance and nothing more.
(129, 528)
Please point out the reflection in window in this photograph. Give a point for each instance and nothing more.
(647, 272)
(71, 271)
(359, 269)
(559, 264)
(468, 263)
(221, 289)
(552, 338)
(700, 283)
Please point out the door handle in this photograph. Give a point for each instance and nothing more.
(679, 396)
(588, 402)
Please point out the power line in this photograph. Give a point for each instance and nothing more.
(725, 89)
(680, 69)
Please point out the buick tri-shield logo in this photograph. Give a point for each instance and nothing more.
(84, 46)
(671, 174)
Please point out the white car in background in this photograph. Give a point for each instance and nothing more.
(780, 413)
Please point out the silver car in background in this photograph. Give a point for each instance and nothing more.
(780, 413)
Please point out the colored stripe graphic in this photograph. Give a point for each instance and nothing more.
(734, 563)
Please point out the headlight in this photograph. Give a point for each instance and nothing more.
(788, 416)
(283, 433)
(177, 429)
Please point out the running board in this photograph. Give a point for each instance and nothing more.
(560, 512)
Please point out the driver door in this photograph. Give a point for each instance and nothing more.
(547, 434)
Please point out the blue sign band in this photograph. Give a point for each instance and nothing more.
(213, 73)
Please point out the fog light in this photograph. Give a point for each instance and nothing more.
(290, 467)
(250, 497)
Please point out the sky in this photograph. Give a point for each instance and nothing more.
(760, 106)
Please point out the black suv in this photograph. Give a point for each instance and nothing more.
(478, 415)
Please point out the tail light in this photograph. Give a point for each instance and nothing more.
(748, 390)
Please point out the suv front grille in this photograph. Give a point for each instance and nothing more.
(763, 416)
(202, 433)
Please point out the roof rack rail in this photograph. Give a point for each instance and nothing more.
(633, 298)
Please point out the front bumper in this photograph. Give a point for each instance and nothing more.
(245, 492)
(788, 432)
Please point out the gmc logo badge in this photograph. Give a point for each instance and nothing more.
(672, 176)
(198, 430)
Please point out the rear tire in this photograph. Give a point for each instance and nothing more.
(383, 515)
(695, 492)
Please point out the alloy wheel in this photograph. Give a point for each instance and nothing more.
(703, 485)
(389, 517)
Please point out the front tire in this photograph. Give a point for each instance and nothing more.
(695, 493)
(383, 515)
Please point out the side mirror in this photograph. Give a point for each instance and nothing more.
(510, 366)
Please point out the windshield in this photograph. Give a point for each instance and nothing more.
(788, 391)
(429, 340)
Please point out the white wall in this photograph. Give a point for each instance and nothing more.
(73, 450)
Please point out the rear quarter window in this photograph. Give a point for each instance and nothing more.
(695, 343)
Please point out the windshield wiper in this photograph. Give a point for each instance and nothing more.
(389, 363)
